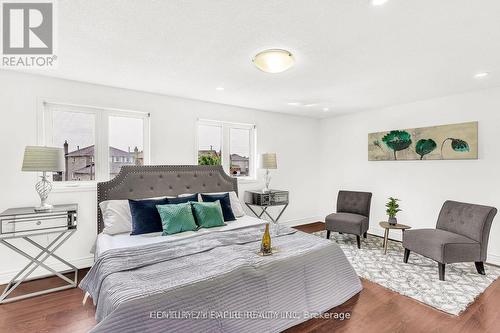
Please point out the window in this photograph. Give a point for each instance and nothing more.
(97, 142)
(231, 145)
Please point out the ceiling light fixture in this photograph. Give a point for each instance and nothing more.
(481, 75)
(378, 2)
(294, 103)
(273, 60)
(219, 88)
(310, 105)
(325, 109)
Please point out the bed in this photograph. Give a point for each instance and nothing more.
(210, 280)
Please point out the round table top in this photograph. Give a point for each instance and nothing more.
(386, 225)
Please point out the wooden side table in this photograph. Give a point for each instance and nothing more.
(388, 227)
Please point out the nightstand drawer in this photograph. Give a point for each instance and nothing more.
(28, 223)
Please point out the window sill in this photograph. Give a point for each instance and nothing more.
(74, 187)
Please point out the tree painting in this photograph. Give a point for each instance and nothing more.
(397, 141)
(457, 145)
(424, 147)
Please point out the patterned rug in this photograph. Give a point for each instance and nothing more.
(418, 278)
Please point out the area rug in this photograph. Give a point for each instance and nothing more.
(418, 278)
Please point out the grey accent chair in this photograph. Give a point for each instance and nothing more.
(353, 215)
(461, 235)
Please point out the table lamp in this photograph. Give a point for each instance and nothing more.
(268, 162)
(43, 159)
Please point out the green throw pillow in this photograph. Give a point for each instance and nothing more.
(208, 214)
(176, 218)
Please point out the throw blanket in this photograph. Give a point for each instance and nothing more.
(215, 282)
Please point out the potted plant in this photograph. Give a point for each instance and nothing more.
(392, 209)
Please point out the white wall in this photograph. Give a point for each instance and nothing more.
(316, 158)
(422, 186)
(173, 128)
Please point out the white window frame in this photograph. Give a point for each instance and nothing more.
(101, 130)
(226, 146)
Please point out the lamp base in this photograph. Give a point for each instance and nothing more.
(267, 182)
(43, 188)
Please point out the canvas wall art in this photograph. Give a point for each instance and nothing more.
(445, 142)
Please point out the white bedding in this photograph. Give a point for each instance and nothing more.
(107, 242)
(219, 274)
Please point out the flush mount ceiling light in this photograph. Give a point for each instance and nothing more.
(273, 60)
(310, 105)
(481, 75)
(325, 109)
(219, 88)
(378, 2)
(294, 103)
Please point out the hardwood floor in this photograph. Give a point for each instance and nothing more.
(375, 309)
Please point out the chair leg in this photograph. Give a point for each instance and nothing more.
(441, 271)
(328, 234)
(407, 255)
(480, 267)
(365, 235)
(358, 239)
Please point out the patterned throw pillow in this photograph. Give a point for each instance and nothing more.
(176, 218)
(208, 214)
(225, 204)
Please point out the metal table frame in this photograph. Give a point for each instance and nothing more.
(35, 262)
(264, 211)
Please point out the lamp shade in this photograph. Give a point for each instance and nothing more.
(268, 161)
(37, 158)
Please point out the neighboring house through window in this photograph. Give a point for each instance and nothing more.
(231, 145)
(97, 142)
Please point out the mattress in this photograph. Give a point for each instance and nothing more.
(215, 281)
(107, 242)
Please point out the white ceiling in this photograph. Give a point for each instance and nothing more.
(350, 56)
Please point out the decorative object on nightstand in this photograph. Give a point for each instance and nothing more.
(268, 162)
(266, 200)
(25, 223)
(387, 226)
(392, 209)
(43, 159)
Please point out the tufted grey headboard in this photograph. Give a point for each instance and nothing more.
(148, 181)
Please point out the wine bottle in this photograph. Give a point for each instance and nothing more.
(265, 246)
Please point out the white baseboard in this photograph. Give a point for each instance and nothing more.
(305, 220)
(5, 277)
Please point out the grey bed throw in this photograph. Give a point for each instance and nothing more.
(216, 282)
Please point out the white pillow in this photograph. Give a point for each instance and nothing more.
(236, 206)
(116, 216)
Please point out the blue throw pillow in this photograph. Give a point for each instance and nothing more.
(179, 200)
(145, 216)
(225, 204)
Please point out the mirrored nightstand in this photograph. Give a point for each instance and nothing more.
(25, 224)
